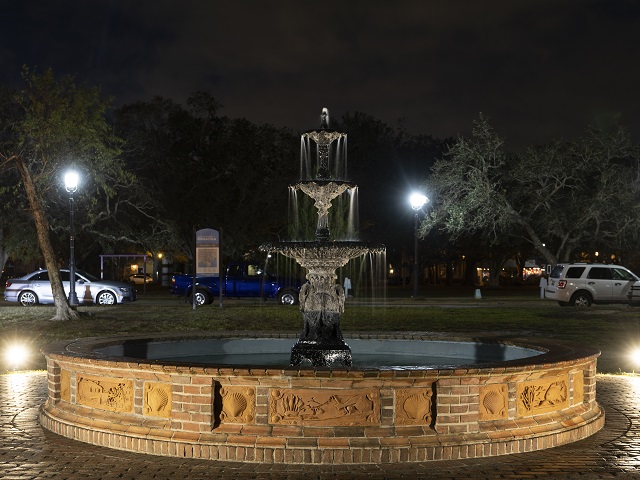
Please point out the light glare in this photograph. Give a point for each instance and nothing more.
(635, 356)
(16, 355)
(417, 200)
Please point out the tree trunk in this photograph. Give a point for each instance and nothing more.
(470, 271)
(63, 309)
(449, 275)
(4, 255)
(549, 257)
(495, 268)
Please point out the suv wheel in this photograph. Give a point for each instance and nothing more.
(581, 299)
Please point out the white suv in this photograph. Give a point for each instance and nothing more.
(581, 284)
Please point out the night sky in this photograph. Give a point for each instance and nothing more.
(538, 68)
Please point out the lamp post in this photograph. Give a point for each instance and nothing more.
(417, 201)
(71, 184)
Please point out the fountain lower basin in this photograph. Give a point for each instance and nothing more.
(494, 396)
(386, 353)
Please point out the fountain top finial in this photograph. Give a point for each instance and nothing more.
(324, 118)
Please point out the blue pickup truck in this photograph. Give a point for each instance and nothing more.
(241, 280)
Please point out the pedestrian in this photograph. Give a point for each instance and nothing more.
(347, 286)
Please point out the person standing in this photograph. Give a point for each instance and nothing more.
(347, 286)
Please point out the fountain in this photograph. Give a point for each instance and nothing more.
(322, 300)
(381, 399)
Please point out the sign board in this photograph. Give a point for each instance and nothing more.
(208, 252)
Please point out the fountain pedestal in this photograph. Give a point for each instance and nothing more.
(321, 304)
(319, 354)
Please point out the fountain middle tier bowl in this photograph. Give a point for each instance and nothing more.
(206, 396)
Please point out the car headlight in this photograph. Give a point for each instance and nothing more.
(124, 289)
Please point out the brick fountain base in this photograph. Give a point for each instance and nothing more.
(318, 415)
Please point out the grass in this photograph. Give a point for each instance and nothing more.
(614, 330)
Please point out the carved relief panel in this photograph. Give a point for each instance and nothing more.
(541, 396)
(65, 385)
(324, 407)
(157, 399)
(238, 405)
(413, 406)
(113, 394)
(494, 402)
(578, 387)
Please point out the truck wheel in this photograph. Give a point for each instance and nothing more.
(202, 298)
(288, 297)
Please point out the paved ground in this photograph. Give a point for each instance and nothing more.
(27, 451)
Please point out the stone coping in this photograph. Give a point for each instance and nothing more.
(552, 351)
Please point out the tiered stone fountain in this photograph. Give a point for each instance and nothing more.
(322, 299)
(402, 398)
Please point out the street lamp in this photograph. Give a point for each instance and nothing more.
(417, 201)
(71, 179)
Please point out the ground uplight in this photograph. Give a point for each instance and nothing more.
(16, 356)
(635, 357)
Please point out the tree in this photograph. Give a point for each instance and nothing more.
(557, 197)
(211, 170)
(582, 194)
(47, 127)
(17, 232)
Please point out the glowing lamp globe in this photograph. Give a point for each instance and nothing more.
(71, 179)
(417, 200)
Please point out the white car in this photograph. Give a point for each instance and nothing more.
(35, 288)
(140, 279)
(581, 284)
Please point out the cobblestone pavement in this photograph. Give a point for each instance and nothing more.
(27, 451)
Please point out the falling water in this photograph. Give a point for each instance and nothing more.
(305, 158)
(341, 158)
(294, 222)
(367, 275)
(343, 216)
(353, 220)
(335, 153)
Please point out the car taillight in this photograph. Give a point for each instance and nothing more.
(562, 283)
(8, 284)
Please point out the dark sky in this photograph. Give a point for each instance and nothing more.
(538, 68)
